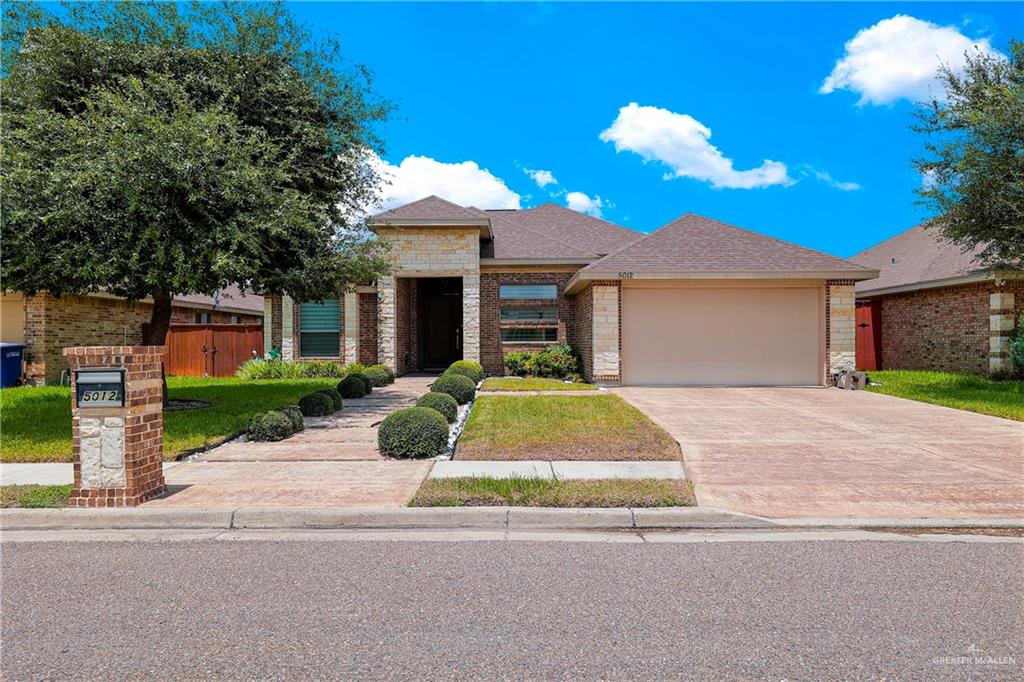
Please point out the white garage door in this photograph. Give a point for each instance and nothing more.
(710, 336)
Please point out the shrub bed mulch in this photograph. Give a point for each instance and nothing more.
(522, 492)
(554, 427)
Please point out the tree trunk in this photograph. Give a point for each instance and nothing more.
(156, 333)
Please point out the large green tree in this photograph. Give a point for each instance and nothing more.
(974, 162)
(155, 149)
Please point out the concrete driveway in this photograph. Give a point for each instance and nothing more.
(813, 452)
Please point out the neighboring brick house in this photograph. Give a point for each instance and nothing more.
(934, 307)
(47, 324)
(696, 302)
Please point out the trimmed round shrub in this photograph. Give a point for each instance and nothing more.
(271, 426)
(335, 397)
(442, 402)
(378, 377)
(365, 379)
(295, 414)
(457, 386)
(352, 386)
(469, 368)
(317, 404)
(412, 432)
(387, 370)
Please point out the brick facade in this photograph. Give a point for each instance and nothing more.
(368, 328)
(584, 336)
(406, 307)
(52, 324)
(492, 350)
(118, 451)
(949, 329)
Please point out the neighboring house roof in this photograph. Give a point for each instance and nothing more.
(916, 258)
(692, 247)
(230, 299)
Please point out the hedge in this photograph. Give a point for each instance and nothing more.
(295, 414)
(317, 404)
(412, 432)
(270, 426)
(457, 386)
(352, 386)
(378, 377)
(335, 397)
(443, 403)
(469, 368)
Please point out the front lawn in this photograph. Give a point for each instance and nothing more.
(516, 384)
(35, 496)
(962, 391)
(528, 492)
(35, 422)
(555, 427)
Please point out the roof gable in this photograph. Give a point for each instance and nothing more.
(695, 244)
(427, 209)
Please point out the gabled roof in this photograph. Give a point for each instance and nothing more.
(918, 256)
(432, 208)
(591, 235)
(694, 247)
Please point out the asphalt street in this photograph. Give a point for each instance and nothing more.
(315, 609)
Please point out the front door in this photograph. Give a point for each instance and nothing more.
(440, 322)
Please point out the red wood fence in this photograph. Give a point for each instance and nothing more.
(869, 335)
(215, 350)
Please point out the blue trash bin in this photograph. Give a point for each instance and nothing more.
(11, 363)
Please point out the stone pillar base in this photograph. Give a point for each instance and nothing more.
(118, 450)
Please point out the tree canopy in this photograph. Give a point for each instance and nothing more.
(974, 162)
(155, 150)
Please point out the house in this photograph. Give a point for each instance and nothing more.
(697, 302)
(46, 324)
(933, 306)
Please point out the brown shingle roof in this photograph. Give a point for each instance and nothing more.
(694, 244)
(916, 256)
(592, 236)
(427, 208)
(229, 298)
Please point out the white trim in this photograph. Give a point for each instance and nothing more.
(938, 283)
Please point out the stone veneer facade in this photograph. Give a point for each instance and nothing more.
(841, 331)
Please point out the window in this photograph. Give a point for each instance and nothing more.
(319, 329)
(202, 318)
(529, 291)
(530, 313)
(529, 335)
(236, 319)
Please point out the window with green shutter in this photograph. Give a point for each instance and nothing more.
(319, 329)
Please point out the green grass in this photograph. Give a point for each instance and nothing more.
(35, 496)
(515, 384)
(962, 391)
(527, 492)
(35, 422)
(556, 427)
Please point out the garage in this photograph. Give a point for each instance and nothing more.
(722, 334)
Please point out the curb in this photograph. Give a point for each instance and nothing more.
(461, 518)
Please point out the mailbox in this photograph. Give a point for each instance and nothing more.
(99, 387)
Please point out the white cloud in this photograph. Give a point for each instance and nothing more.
(682, 143)
(543, 178)
(899, 58)
(464, 183)
(578, 201)
(832, 182)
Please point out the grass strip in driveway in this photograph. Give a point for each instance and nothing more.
(553, 427)
(531, 492)
(36, 421)
(962, 391)
(515, 384)
(35, 496)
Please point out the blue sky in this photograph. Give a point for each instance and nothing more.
(486, 91)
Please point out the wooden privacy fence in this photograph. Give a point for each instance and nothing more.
(215, 350)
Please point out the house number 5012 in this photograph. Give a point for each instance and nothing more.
(625, 275)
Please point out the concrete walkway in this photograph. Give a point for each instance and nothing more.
(45, 473)
(334, 462)
(561, 470)
(812, 452)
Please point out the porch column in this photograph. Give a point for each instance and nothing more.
(842, 337)
(471, 317)
(351, 308)
(386, 329)
(287, 328)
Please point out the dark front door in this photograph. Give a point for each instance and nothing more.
(440, 321)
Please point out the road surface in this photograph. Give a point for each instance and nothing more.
(392, 609)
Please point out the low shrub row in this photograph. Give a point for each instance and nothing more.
(277, 424)
(422, 431)
(376, 375)
(560, 361)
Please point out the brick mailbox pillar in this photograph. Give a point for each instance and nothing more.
(117, 424)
